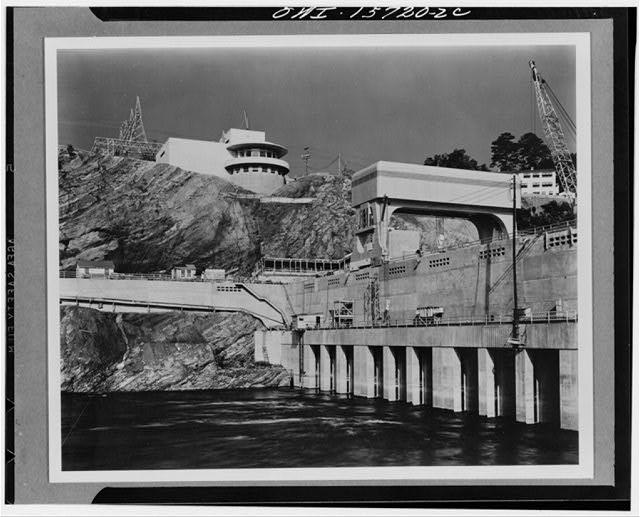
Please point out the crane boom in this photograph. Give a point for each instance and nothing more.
(565, 169)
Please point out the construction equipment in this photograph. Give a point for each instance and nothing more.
(565, 168)
(342, 313)
(428, 315)
(307, 321)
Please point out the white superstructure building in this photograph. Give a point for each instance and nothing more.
(242, 156)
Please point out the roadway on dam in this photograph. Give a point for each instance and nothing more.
(147, 295)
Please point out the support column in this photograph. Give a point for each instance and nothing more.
(341, 370)
(414, 386)
(363, 367)
(469, 364)
(325, 368)
(487, 405)
(389, 374)
(447, 379)
(525, 397)
(310, 377)
(569, 389)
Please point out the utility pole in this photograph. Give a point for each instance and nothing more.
(305, 158)
(339, 164)
(515, 331)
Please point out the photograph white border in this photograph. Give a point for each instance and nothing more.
(360, 475)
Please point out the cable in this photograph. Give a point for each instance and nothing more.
(325, 167)
(561, 108)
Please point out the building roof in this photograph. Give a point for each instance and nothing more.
(96, 263)
(188, 266)
(526, 171)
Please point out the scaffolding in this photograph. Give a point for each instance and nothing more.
(116, 147)
(342, 313)
(372, 302)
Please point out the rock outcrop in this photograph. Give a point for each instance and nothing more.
(150, 217)
(323, 229)
(103, 352)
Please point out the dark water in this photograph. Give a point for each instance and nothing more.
(290, 428)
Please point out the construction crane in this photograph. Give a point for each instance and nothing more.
(565, 168)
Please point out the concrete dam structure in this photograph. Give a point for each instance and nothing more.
(396, 323)
(435, 329)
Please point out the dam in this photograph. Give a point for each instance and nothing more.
(446, 329)
(437, 329)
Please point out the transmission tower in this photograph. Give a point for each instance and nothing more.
(565, 169)
(305, 158)
(132, 130)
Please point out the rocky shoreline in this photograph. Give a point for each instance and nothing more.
(106, 352)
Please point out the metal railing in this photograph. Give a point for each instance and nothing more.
(140, 150)
(571, 223)
(460, 321)
(113, 302)
(132, 276)
(162, 277)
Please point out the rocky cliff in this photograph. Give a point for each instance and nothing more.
(150, 217)
(103, 352)
(323, 229)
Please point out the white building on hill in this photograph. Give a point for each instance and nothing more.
(539, 182)
(242, 156)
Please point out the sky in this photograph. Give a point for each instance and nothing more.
(368, 104)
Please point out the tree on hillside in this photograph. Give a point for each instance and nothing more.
(550, 213)
(456, 159)
(529, 152)
(504, 152)
(533, 153)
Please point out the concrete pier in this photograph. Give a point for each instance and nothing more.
(496, 383)
(469, 382)
(344, 369)
(530, 385)
(394, 373)
(419, 376)
(311, 361)
(537, 386)
(389, 374)
(526, 405)
(378, 377)
(364, 373)
(487, 384)
(327, 368)
(569, 401)
(447, 379)
(414, 386)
